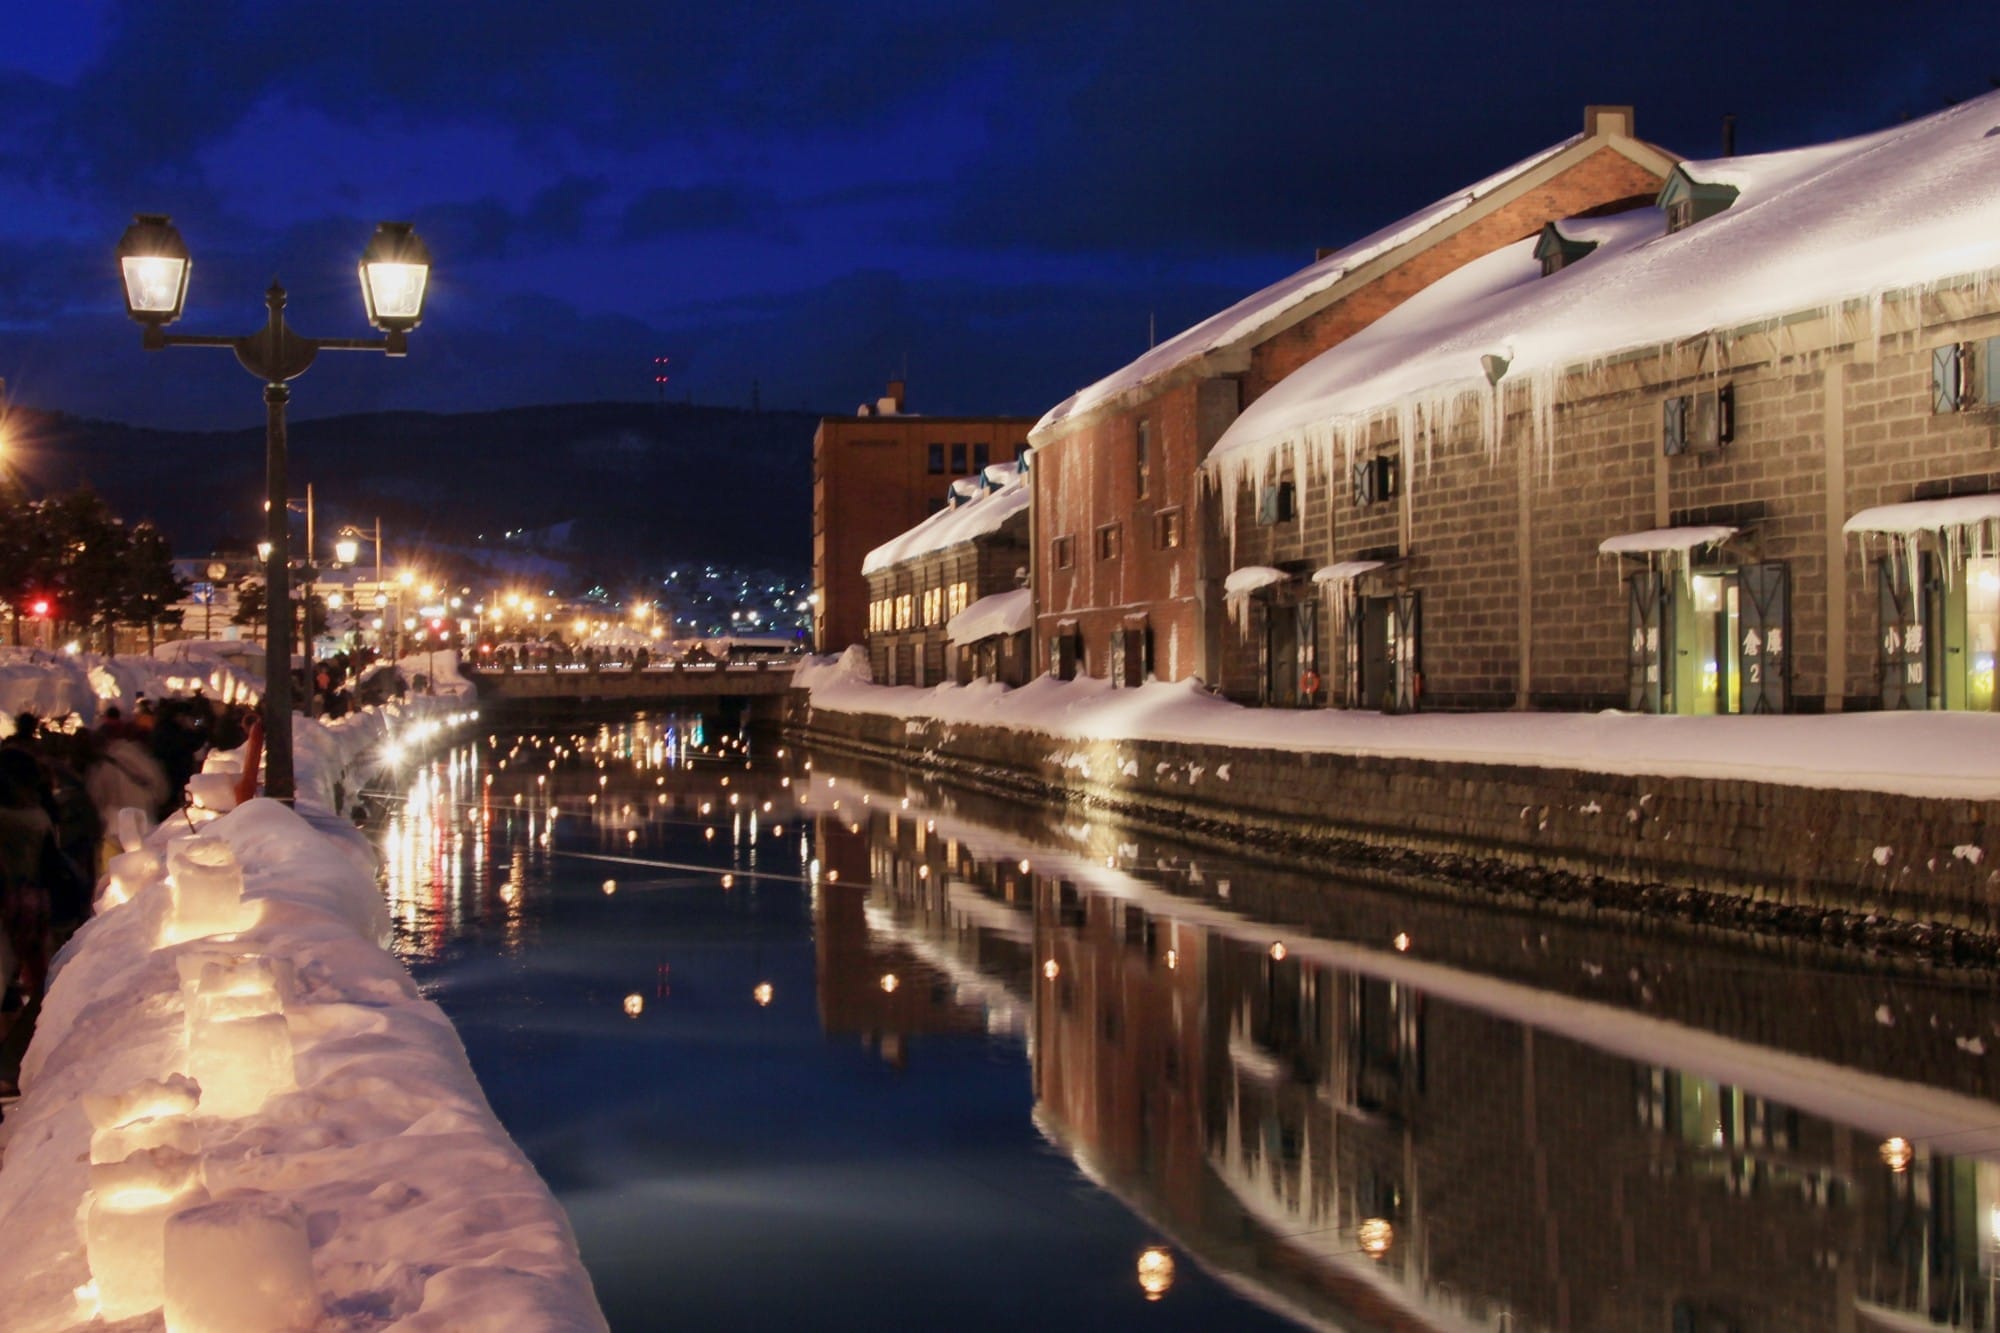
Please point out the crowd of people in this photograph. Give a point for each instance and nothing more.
(61, 789)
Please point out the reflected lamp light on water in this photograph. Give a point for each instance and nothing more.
(635, 1004)
(1897, 1154)
(1278, 951)
(762, 994)
(889, 983)
(1156, 1271)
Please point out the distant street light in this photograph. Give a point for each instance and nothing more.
(217, 571)
(394, 272)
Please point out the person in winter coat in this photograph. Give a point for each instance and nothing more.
(122, 772)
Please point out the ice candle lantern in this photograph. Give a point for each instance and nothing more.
(208, 888)
(239, 1265)
(240, 1062)
(124, 1226)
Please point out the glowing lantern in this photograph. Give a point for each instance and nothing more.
(1376, 1235)
(1897, 1154)
(1052, 969)
(239, 1265)
(241, 1062)
(154, 262)
(889, 983)
(208, 888)
(635, 1004)
(125, 1223)
(1156, 1272)
(762, 994)
(395, 270)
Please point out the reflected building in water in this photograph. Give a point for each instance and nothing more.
(1367, 1138)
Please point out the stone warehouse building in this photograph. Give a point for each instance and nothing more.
(879, 473)
(1122, 585)
(947, 600)
(1739, 452)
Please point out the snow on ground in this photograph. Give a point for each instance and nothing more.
(419, 1212)
(1936, 754)
(56, 685)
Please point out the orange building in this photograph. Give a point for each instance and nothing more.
(1127, 583)
(878, 474)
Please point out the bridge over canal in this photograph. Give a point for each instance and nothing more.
(728, 689)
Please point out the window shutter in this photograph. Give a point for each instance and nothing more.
(1267, 506)
(1945, 385)
(1764, 623)
(1903, 655)
(1408, 664)
(1364, 484)
(1645, 690)
(1673, 425)
(1989, 362)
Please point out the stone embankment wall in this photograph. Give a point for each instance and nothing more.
(1779, 855)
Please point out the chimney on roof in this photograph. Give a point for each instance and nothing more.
(891, 404)
(1729, 135)
(1608, 120)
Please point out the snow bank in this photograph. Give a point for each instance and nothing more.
(1911, 753)
(420, 1212)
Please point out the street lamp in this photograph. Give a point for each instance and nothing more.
(394, 272)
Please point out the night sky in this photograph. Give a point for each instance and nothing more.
(811, 197)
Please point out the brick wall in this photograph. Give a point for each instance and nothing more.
(1603, 472)
(1777, 847)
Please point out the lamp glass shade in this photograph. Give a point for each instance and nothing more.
(395, 273)
(346, 549)
(153, 260)
(263, 550)
(154, 284)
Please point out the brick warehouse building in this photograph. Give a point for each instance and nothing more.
(933, 591)
(1736, 453)
(879, 473)
(1122, 587)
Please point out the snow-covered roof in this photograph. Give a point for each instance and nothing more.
(1655, 541)
(1812, 228)
(1258, 311)
(1955, 511)
(1250, 578)
(1002, 613)
(1345, 571)
(977, 517)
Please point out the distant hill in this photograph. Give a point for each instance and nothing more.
(642, 484)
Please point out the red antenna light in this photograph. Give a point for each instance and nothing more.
(41, 606)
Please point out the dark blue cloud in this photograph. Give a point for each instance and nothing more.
(997, 193)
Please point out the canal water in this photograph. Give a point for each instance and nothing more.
(801, 1042)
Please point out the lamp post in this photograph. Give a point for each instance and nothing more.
(394, 271)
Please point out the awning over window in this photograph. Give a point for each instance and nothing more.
(1657, 541)
(1955, 511)
(1346, 571)
(1002, 613)
(1250, 578)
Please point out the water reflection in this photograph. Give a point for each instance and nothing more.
(1357, 1106)
(1486, 1136)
